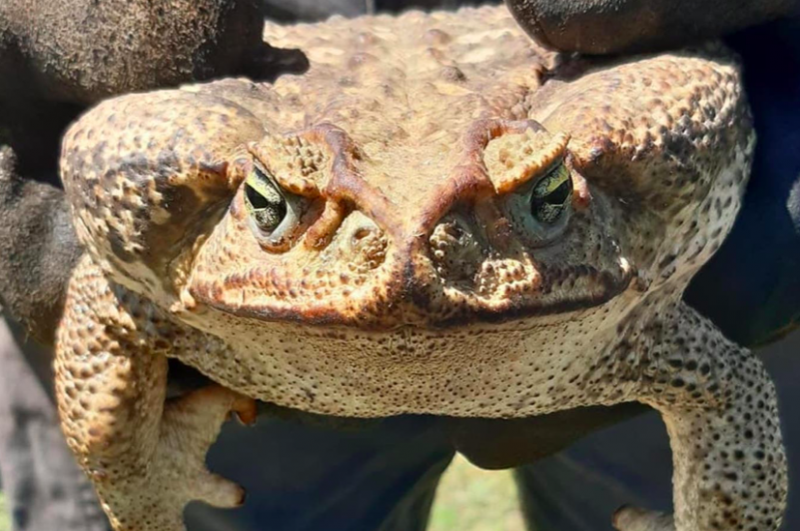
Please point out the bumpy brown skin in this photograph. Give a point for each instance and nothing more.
(58, 56)
(416, 279)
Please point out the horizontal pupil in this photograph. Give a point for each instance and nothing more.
(256, 200)
(268, 207)
(551, 196)
(560, 195)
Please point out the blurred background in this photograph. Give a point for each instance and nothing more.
(468, 499)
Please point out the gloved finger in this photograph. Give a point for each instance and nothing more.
(623, 26)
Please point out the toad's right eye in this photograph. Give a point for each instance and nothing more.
(265, 202)
(275, 213)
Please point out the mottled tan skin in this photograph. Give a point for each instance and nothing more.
(416, 279)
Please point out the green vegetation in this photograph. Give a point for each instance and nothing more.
(5, 521)
(471, 499)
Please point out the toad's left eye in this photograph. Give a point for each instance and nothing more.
(550, 196)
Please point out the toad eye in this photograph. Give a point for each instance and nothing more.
(551, 196)
(264, 201)
(275, 214)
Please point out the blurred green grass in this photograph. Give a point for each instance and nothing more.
(5, 521)
(471, 499)
(468, 499)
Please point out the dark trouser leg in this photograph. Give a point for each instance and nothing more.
(310, 478)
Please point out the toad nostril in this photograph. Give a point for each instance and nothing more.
(455, 250)
(362, 233)
(368, 247)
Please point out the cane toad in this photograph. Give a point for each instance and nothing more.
(431, 220)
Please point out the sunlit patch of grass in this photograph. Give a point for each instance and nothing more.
(471, 499)
(5, 520)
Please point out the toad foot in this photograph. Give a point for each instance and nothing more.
(176, 473)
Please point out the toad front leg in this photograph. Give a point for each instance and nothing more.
(145, 455)
(719, 406)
